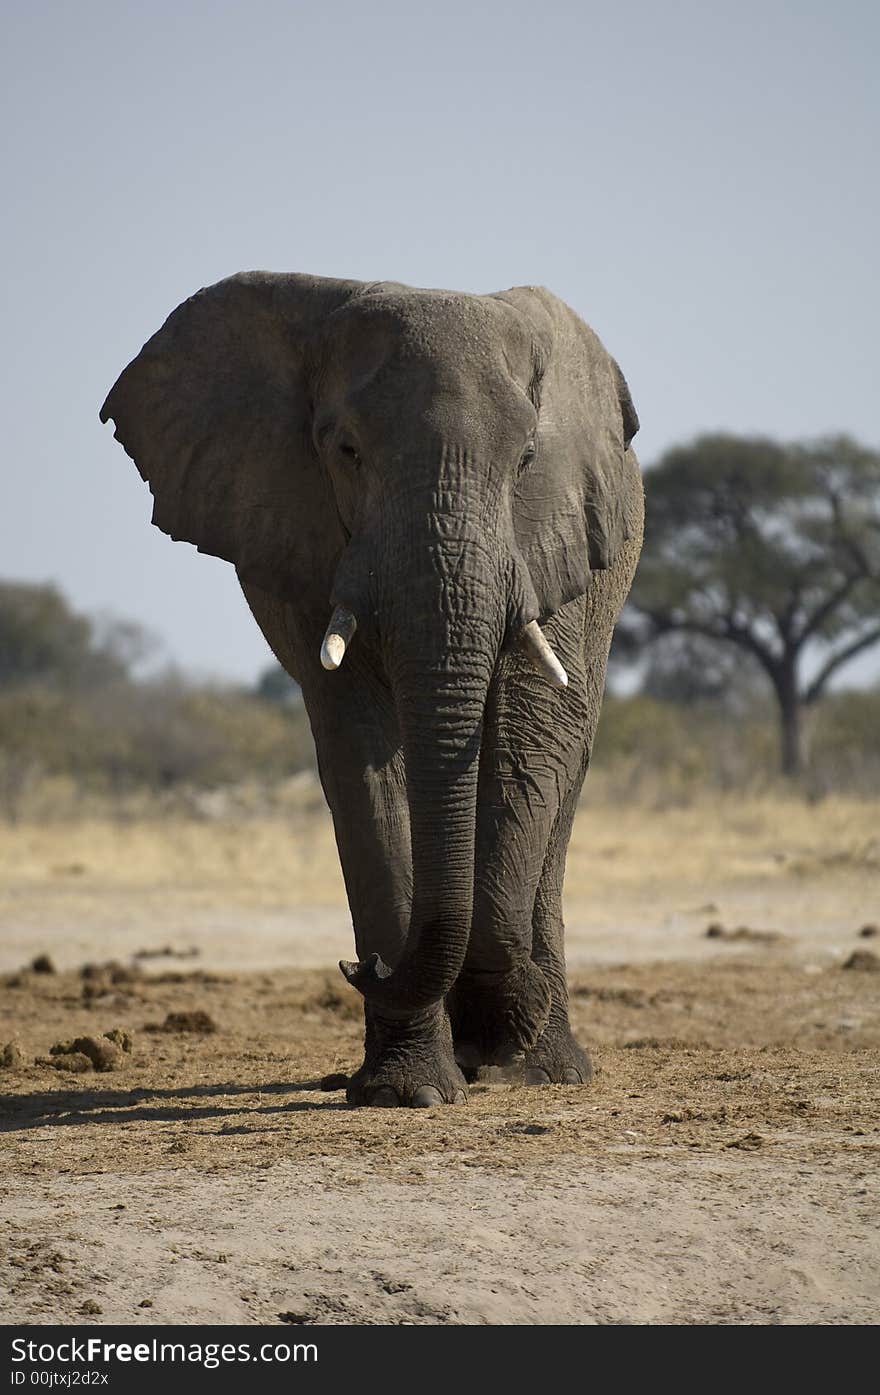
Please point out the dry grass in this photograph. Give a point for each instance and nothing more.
(290, 855)
(260, 861)
(723, 839)
(252, 889)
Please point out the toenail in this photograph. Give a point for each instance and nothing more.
(384, 1098)
(426, 1097)
(535, 1075)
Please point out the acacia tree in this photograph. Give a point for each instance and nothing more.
(769, 547)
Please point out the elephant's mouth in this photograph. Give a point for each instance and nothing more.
(537, 649)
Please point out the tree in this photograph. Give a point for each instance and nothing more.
(44, 641)
(691, 671)
(772, 548)
(276, 685)
(40, 636)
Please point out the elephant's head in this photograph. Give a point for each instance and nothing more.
(439, 471)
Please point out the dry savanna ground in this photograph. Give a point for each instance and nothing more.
(721, 1168)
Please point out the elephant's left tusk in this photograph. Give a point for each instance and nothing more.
(340, 633)
(538, 650)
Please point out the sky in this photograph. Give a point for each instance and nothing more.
(698, 180)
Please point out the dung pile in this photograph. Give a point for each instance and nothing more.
(100, 1053)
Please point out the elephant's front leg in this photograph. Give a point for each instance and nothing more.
(533, 751)
(407, 1059)
(556, 1057)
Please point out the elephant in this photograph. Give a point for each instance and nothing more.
(448, 479)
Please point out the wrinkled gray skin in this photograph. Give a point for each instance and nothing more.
(448, 467)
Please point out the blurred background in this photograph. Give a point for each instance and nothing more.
(693, 179)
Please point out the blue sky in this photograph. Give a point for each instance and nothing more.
(697, 180)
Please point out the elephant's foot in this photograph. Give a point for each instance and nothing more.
(496, 1018)
(408, 1062)
(557, 1059)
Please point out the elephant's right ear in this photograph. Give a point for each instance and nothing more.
(215, 413)
(570, 511)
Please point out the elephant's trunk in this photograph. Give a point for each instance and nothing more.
(443, 618)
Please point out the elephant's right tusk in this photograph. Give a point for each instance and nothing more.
(340, 633)
(538, 650)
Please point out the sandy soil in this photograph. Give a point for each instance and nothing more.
(722, 1167)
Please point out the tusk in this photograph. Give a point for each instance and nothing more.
(537, 649)
(340, 633)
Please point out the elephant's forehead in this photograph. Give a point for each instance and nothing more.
(446, 329)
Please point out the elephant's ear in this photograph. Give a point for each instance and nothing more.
(214, 411)
(569, 508)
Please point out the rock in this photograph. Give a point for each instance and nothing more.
(43, 965)
(715, 931)
(100, 980)
(74, 1061)
(337, 1080)
(103, 1053)
(112, 972)
(864, 960)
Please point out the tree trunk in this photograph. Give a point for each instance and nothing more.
(790, 728)
(790, 731)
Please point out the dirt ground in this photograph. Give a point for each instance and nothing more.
(721, 1169)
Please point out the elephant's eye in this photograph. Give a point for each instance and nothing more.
(527, 458)
(350, 453)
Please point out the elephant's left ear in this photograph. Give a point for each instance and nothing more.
(215, 412)
(570, 504)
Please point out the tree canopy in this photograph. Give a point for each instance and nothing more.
(43, 640)
(771, 547)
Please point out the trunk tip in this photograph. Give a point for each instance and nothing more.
(361, 974)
